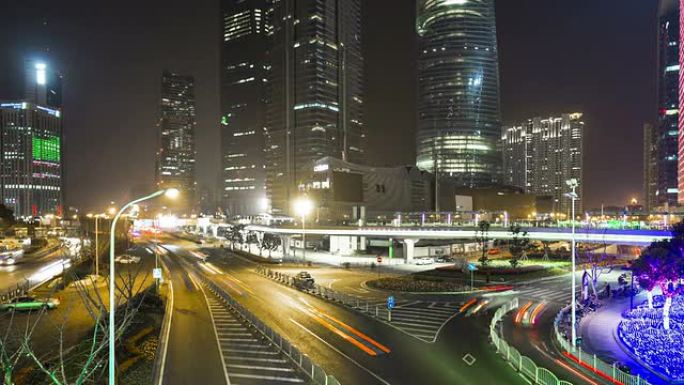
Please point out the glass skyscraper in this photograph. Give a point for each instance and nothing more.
(666, 130)
(176, 152)
(314, 96)
(244, 69)
(459, 122)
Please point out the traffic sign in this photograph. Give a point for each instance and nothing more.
(472, 267)
(390, 302)
(157, 273)
(379, 259)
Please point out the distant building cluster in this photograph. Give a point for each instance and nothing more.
(31, 145)
(292, 101)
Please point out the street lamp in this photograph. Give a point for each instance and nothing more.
(170, 193)
(303, 207)
(573, 183)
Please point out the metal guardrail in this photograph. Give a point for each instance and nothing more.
(359, 304)
(314, 372)
(18, 291)
(522, 364)
(591, 361)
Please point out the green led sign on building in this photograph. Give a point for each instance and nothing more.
(47, 149)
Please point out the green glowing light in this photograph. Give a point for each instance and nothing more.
(47, 149)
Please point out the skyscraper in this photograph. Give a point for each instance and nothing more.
(458, 91)
(650, 167)
(315, 95)
(541, 154)
(666, 128)
(31, 145)
(243, 72)
(176, 151)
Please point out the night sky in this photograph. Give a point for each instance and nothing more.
(593, 56)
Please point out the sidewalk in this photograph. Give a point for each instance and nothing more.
(598, 331)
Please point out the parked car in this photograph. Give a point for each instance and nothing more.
(424, 261)
(30, 303)
(126, 259)
(493, 251)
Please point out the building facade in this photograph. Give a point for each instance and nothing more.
(459, 121)
(176, 151)
(31, 145)
(666, 127)
(314, 92)
(244, 74)
(650, 167)
(540, 155)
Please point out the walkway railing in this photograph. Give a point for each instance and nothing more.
(590, 361)
(372, 309)
(315, 373)
(522, 364)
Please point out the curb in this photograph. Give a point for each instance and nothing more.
(162, 348)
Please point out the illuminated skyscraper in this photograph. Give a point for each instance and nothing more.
(315, 95)
(31, 140)
(666, 191)
(541, 154)
(650, 157)
(458, 91)
(176, 151)
(243, 72)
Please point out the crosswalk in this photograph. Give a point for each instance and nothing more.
(422, 320)
(556, 295)
(247, 356)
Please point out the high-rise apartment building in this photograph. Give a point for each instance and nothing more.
(315, 95)
(176, 151)
(666, 127)
(650, 167)
(540, 155)
(244, 74)
(31, 145)
(459, 122)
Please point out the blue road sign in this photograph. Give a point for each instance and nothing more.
(472, 267)
(390, 302)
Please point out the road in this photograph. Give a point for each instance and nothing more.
(34, 268)
(355, 348)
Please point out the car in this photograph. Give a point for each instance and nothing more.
(444, 259)
(30, 303)
(493, 251)
(126, 259)
(424, 261)
(303, 280)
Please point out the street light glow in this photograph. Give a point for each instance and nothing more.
(303, 207)
(172, 193)
(111, 210)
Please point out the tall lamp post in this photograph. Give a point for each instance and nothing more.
(170, 193)
(303, 207)
(573, 183)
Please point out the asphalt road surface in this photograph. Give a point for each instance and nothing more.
(355, 348)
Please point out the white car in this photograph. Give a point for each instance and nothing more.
(126, 259)
(424, 261)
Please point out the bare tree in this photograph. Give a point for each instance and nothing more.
(71, 362)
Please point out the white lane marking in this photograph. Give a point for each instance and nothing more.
(408, 304)
(432, 305)
(218, 343)
(339, 352)
(332, 282)
(257, 359)
(248, 351)
(268, 378)
(256, 367)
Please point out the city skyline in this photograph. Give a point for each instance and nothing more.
(512, 31)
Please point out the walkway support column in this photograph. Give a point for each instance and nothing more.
(409, 249)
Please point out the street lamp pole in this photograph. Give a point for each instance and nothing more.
(112, 278)
(304, 239)
(97, 249)
(572, 183)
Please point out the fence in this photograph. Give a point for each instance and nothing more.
(591, 361)
(372, 309)
(18, 291)
(314, 372)
(522, 364)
